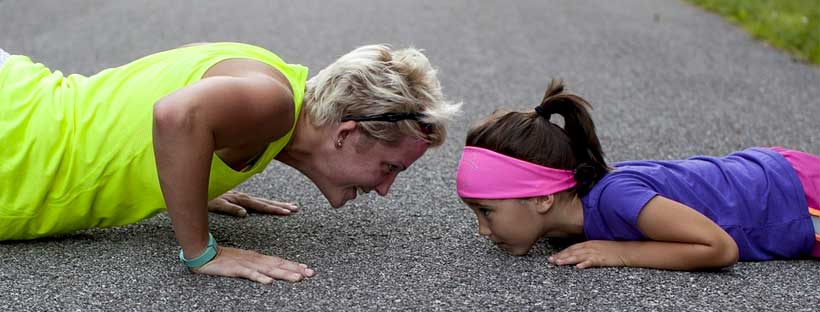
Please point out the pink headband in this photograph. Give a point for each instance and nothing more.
(484, 174)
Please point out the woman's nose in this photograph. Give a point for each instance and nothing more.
(384, 187)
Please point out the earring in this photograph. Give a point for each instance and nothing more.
(339, 143)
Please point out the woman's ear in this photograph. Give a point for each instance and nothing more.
(543, 204)
(343, 131)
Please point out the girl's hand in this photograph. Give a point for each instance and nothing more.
(588, 254)
(234, 262)
(237, 204)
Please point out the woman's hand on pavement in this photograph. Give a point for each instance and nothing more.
(234, 262)
(238, 204)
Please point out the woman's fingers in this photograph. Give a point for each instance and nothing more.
(258, 277)
(222, 205)
(288, 265)
(259, 205)
(233, 262)
(288, 206)
(268, 207)
(282, 274)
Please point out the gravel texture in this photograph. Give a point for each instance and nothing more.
(667, 80)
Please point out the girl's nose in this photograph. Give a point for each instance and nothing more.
(483, 229)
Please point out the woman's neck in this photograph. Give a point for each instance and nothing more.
(300, 152)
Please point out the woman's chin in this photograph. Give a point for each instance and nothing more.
(337, 202)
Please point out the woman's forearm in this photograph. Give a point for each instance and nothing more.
(183, 148)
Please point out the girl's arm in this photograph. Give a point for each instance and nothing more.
(189, 125)
(681, 239)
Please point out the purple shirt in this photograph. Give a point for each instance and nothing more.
(754, 195)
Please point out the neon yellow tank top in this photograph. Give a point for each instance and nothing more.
(77, 151)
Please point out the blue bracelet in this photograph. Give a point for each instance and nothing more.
(206, 256)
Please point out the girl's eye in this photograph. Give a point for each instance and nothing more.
(484, 211)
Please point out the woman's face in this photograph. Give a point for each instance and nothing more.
(513, 224)
(364, 164)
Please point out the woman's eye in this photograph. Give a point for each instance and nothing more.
(392, 168)
(484, 211)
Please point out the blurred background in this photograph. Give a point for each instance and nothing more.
(793, 25)
(667, 79)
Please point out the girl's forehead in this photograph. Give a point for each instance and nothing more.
(491, 202)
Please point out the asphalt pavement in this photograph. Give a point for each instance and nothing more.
(666, 79)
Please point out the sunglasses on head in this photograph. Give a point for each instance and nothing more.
(393, 117)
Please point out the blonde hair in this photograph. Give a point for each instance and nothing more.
(374, 79)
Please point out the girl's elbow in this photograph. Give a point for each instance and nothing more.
(731, 257)
(727, 253)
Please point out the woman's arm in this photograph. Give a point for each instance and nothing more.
(681, 239)
(193, 122)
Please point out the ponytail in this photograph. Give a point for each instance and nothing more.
(530, 136)
(579, 127)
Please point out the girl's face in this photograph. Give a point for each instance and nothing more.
(513, 224)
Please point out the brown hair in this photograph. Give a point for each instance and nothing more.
(532, 137)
